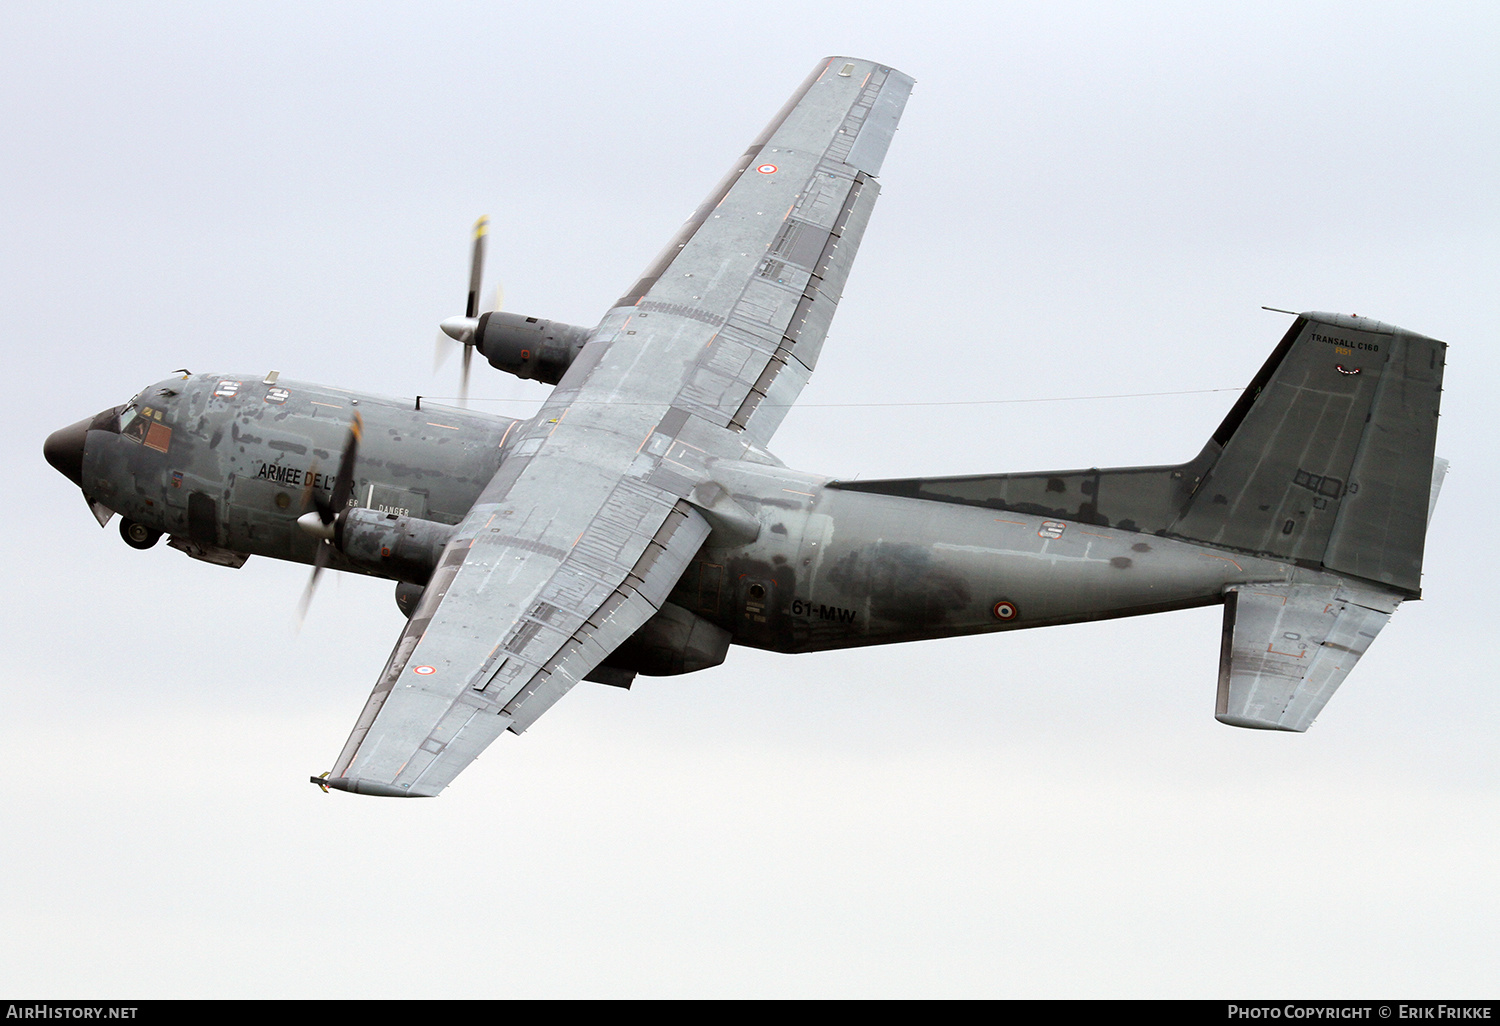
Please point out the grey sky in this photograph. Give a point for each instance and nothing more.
(1083, 200)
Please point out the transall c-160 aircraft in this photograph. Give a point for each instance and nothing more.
(639, 525)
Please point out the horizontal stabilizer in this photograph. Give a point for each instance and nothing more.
(1287, 648)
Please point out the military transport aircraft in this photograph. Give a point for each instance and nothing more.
(638, 525)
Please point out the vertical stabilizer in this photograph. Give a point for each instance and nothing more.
(1327, 458)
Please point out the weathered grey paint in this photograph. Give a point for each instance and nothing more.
(228, 459)
(1326, 460)
(637, 523)
(844, 568)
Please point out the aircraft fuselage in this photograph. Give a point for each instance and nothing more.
(227, 464)
(224, 466)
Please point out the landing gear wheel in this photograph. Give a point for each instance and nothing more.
(138, 536)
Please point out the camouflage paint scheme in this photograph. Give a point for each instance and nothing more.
(637, 524)
(247, 452)
(841, 568)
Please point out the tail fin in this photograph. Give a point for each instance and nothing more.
(1327, 458)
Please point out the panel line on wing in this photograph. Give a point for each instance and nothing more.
(815, 309)
(597, 532)
(644, 589)
(690, 227)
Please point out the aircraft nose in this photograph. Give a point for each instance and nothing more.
(64, 450)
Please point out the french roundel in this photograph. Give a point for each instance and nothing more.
(767, 169)
(424, 670)
(1006, 610)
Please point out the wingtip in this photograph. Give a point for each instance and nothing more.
(355, 785)
(1251, 723)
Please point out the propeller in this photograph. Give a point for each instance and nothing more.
(321, 522)
(464, 329)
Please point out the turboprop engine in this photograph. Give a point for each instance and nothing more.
(528, 347)
(406, 549)
(396, 546)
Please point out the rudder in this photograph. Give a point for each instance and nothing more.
(1327, 459)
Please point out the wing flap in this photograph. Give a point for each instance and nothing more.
(1287, 648)
(743, 296)
(786, 372)
(638, 598)
(879, 125)
(584, 530)
(471, 665)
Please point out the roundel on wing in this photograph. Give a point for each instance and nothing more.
(1005, 610)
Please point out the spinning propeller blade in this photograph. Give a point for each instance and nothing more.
(321, 522)
(476, 265)
(461, 329)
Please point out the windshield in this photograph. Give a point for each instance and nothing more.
(132, 423)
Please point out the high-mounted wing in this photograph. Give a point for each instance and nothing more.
(594, 513)
(747, 288)
(509, 623)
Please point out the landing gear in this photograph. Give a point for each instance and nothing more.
(138, 536)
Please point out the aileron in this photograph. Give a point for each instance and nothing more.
(752, 282)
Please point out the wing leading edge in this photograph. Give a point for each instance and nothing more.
(590, 520)
(441, 699)
(746, 290)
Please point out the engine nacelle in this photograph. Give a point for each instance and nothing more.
(400, 547)
(529, 347)
(671, 642)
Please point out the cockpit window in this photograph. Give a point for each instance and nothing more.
(139, 423)
(107, 420)
(132, 424)
(116, 419)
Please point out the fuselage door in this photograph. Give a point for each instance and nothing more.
(756, 605)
